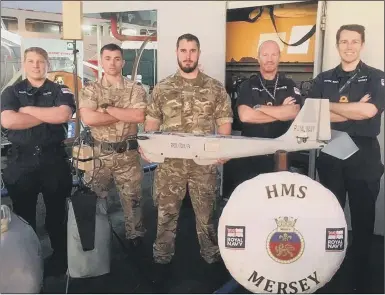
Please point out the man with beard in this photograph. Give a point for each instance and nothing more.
(357, 99)
(188, 101)
(267, 104)
(112, 107)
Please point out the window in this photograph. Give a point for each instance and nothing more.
(43, 26)
(11, 23)
(90, 30)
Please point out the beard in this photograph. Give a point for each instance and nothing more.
(188, 69)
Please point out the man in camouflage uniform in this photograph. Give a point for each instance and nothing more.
(112, 107)
(191, 102)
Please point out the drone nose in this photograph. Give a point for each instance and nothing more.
(143, 137)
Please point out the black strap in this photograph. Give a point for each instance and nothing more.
(299, 42)
(254, 19)
(243, 15)
(342, 88)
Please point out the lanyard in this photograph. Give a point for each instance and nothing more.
(268, 92)
(348, 82)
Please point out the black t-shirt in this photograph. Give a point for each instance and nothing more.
(253, 92)
(50, 94)
(366, 80)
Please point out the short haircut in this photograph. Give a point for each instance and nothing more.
(188, 37)
(268, 41)
(111, 47)
(353, 27)
(37, 50)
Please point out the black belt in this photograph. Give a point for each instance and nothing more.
(119, 147)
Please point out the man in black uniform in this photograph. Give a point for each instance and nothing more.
(357, 99)
(267, 104)
(36, 111)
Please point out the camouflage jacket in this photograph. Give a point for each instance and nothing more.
(191, 106)
(100, 92)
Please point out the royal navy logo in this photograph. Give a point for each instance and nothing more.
(235, 237)
(285, 244)
(335, 239)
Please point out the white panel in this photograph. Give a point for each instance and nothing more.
(297, 32)
(206, 20)
(210, 29)
(319, 42)
(241, 4)
(373, 54)
(273, 36)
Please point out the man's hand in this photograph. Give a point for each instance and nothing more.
(289, 100)
(143, 156)
(365, 98)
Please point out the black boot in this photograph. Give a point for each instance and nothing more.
(160, 275)
(136, 242)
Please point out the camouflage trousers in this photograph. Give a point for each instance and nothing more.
(126, 171)
(170, 182)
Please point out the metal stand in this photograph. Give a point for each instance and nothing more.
(76, 90)
(280, 160)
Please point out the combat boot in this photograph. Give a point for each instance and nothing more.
(160, 275)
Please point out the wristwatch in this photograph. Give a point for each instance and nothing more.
(256, 106)
(104, 107)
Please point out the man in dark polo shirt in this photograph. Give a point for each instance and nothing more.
(267, 104)
(357, 98)
(36, 111)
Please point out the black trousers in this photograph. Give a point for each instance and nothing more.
(27, 174)
(239, 170)
(362, 192)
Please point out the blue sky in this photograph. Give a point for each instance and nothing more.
(48, 6)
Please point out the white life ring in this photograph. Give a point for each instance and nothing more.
(282, 232)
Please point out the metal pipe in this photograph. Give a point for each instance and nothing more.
(76, 90)
(98, 49)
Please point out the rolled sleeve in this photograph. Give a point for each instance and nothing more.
(66, 97)
(377, 91)
(154, 111)
(9, 101)
(139, 97)
(223, 112)
(88, 98)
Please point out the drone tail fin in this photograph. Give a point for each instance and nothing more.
(312, 121)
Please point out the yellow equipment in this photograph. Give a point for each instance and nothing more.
(292, 20)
